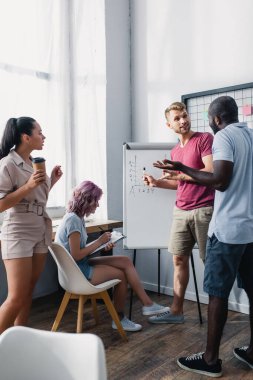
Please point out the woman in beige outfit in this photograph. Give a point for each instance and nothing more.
(26, 231)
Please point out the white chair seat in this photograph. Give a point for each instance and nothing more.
(82, 288)
(29, 354)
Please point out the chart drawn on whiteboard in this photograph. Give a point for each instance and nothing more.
(135, 174)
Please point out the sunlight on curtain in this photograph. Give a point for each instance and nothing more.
(32, 52)
(52, 67)
(89, 73)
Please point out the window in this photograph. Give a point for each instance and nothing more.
(52, 68)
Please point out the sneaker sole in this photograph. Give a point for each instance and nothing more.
(219, 374)
(242, 360)
(147, 313)
(167, 322)
(128, 330)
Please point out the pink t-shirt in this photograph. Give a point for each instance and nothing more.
(190, 195)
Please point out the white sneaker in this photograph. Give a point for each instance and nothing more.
(127, 325)
(154, 309)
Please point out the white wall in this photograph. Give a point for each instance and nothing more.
(118, 101)
(180, 47)
(184, 46)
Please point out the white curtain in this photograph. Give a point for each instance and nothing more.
(52, 68)
(89, 79)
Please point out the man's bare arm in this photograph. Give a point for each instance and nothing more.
(161, 182)
(219, 179)
(173, 175)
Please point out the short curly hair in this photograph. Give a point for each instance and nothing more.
(84, 197)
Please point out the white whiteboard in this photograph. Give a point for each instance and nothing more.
(147, 212)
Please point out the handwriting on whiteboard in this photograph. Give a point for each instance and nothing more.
(135, 178)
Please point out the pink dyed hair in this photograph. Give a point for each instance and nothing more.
(84, 198)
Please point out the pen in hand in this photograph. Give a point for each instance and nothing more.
(144, 174)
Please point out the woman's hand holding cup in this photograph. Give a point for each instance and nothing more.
(39, 175)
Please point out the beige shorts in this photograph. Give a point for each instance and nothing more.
(188, 228)
(23, 235)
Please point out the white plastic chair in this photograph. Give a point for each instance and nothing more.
(76, 286)
(29, 354)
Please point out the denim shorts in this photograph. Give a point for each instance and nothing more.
(86, 269)
(225, 262)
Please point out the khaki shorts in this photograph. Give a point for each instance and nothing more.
(23, 235)
(188, 228)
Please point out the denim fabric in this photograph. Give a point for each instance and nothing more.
(223, 263)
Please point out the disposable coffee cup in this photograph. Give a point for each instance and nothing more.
(39, 163)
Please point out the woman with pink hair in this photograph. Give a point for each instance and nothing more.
(73, 236)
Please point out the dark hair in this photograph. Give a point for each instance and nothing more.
(83, 198)
(225, 108)
(12, 133)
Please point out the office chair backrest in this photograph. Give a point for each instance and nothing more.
(70, 276)
(29, 354)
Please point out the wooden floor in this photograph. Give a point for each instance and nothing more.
(151, 353)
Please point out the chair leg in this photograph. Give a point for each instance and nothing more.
(95, 310)
(105, 296)
(61, 310)
(79, 326)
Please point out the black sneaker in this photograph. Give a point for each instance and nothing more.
(196, 363)
(241, 354)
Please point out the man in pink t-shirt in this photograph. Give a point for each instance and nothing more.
(194, 203)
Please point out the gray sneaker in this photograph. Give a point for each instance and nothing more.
(155, 308)
(167, 318)
(127, 325)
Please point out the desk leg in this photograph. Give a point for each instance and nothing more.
(159, 273)
(196, 289)
(131, 292)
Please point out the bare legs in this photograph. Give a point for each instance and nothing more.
(22, 275)
(249, 290)
(181, 279)
(217, 316)
(250, 349)
(38, 263)
(121, 267)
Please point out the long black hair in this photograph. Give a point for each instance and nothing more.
(12, 133)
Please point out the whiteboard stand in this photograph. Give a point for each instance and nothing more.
(158, 271)
(140, 201)
(196, 289)
(131, 292)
